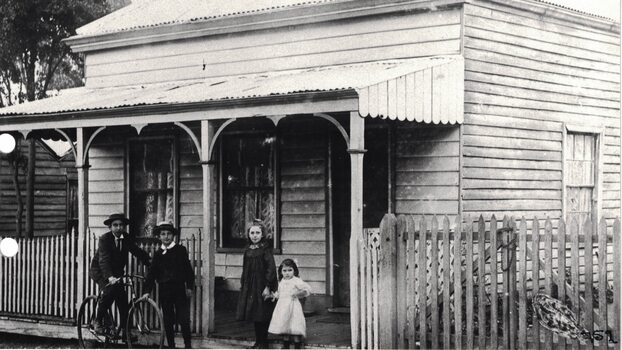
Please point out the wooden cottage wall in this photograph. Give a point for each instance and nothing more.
(526, 75)
(427, 170)
(303, 208)
(338, 42)
(107, 184)
(190, 186)
(50, 197)
(106, 187)
(50, 216)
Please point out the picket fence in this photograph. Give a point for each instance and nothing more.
(41, 280)
(477, 293)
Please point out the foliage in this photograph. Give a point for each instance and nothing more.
(33, 58)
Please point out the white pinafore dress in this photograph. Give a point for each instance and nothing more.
(288, 317)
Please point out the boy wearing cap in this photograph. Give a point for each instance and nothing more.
(172, 270)
(108, 266)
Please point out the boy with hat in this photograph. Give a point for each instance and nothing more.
(172, 270)
(108, 266)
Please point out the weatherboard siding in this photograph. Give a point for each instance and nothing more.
(106, 181)
(305, 46)
(427, 170)
(527, 77)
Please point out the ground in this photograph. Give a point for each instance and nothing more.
(20, 341)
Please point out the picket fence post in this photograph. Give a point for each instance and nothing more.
(387, 279)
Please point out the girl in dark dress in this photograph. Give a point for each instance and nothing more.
(258, 282)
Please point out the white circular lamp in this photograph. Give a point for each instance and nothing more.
(8, 247)
(7, 143)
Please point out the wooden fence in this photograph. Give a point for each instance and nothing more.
(474, 289)
(41, 279)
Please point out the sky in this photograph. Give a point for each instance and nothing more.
(606, 8)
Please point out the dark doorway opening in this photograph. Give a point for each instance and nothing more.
(376, 197)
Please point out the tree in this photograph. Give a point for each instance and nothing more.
(17, 161)
(31, 48)
(34, 59)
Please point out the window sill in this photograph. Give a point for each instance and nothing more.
(275, 251)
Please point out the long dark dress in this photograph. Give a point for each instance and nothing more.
(259, 271)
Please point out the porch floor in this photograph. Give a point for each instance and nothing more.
(323, 331)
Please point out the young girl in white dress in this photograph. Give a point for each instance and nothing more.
(288, 320)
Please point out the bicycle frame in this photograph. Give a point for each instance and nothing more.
(126, 281)
(142, 312)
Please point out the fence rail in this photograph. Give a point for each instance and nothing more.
(473, 287)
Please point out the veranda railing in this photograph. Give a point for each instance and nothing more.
(474, 290)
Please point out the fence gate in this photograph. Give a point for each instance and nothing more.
(473, 287)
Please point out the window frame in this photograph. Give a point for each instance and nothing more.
(276, 239)
(127, 171)
(599, 137)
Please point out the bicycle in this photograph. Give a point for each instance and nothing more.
(145, 323)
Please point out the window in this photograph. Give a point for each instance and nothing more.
(152, 188)
(248, 186)
(581, 176)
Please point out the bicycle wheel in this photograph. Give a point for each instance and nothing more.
(145, 325)
(85, 322)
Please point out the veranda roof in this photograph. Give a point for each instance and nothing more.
(429, 90)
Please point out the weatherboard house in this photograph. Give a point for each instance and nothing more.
(319, 117)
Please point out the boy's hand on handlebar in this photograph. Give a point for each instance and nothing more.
(145, 296)
(113, 280)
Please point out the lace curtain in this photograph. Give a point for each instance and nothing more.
(152, 184)
(248, 185)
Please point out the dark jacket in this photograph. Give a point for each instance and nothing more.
(109, 261)
(172, 267)
(258, 272)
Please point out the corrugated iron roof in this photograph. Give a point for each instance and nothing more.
(363, 78)
(558, 3)
(153, 13)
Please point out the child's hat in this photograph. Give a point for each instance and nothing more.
(165, 226)
(116, 216)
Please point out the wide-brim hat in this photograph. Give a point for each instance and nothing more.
(114, 217)
(168, 226)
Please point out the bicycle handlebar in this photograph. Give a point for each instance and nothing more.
(130, 277)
